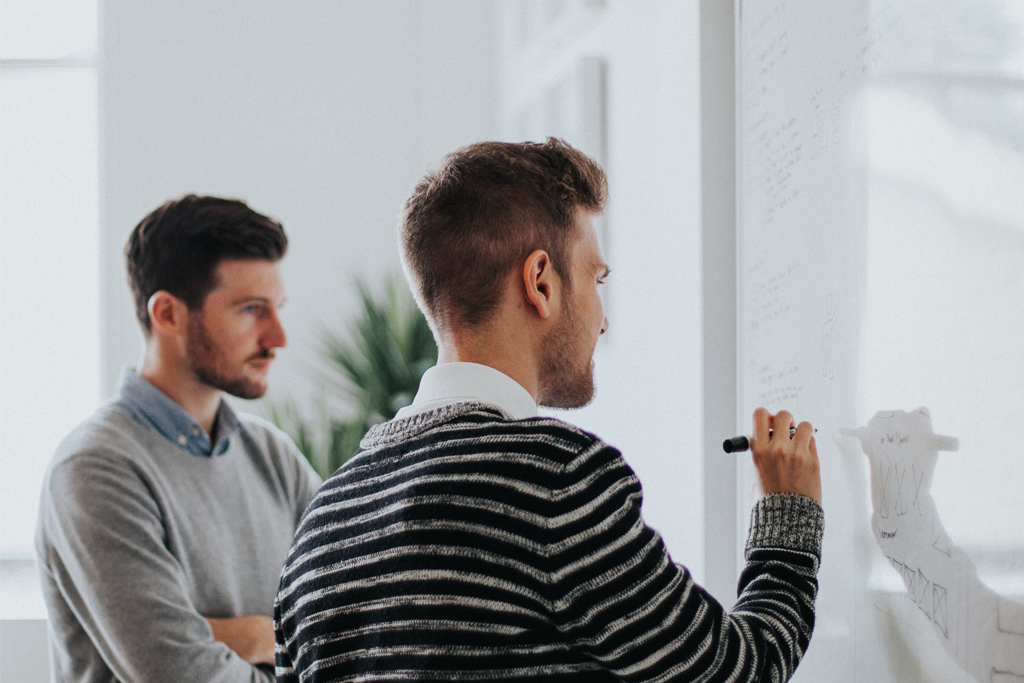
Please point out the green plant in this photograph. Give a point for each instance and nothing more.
(374, 367)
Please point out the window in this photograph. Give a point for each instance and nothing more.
(49, 261)
(944, 114)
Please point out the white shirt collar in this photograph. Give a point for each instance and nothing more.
(449, 383)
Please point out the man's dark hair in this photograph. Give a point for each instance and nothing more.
(177, 247)
(488, 206)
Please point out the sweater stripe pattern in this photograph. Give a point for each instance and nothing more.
(462, 545)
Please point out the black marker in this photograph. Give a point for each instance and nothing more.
(738, 444)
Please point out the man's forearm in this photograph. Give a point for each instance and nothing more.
(251, 637)
(778, 584)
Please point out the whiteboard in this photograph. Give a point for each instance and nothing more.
(880, 272)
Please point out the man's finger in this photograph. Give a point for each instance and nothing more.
(804, 434)
(762, 423)
(781, 423)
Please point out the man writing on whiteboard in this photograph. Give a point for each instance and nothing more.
(470, 539)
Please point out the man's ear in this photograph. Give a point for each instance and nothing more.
(541, 282)
(168, 314)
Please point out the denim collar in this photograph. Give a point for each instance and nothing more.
(154, 410)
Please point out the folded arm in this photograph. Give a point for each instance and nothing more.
(127, 591)
(251, 637)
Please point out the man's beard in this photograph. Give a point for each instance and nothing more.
(567, 369)
(208, 362)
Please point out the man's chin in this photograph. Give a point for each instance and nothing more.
(249, 392)
(248, 388)
(572, 398)
(572, 404)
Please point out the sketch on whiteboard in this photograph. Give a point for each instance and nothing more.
(1005, 616)
(930, 597)
(831, 311)
(981, 631)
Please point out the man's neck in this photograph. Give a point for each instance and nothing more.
(197, 398)
(494, 351)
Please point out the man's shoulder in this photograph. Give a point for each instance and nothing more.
(107, 446)
(267, 442)
(106, 434)
(263, 429)
(267, 438)
(468, 424)
(554, 428)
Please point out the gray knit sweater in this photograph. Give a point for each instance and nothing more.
(138, 540)
(461, 544)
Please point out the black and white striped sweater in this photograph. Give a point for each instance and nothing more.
(463, 545)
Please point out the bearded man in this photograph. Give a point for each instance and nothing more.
(165, 517)
(471, 539)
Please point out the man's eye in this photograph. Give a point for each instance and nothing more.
(252, 310)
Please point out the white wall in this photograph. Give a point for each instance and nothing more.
(649, 365)
(320, 114)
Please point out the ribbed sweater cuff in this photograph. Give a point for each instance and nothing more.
(786, 520)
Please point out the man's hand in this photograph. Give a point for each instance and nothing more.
(251, 637)
(784, 464)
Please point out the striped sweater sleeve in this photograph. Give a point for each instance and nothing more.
(619, 598)
(284, 667)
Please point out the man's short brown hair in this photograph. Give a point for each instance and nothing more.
(177, 247)
(477, 217)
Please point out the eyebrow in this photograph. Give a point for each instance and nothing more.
(257, 300)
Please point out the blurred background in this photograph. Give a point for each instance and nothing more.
(323, 115)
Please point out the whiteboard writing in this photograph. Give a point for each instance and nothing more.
(772, 296)
(981, 631)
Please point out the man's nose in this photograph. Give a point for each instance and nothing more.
(274, 337)
(604, 325)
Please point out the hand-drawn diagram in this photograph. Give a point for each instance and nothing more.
(1009, 622)
(1009, 618)
(831, 312)
(900, 489)
(979, 629)
(931, 598)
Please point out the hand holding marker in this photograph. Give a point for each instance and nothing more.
(738, 444)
